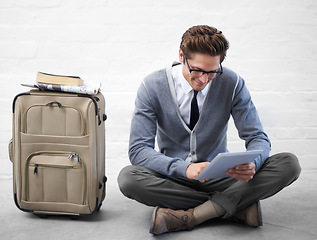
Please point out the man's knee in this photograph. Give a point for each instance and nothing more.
(125, 180)
(292, 164)
(132, 180)
(288, 165)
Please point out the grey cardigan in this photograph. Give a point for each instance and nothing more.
(157, 115)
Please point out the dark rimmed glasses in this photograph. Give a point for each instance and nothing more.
(199, 73)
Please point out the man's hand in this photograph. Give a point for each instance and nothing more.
(194, 169)
(243, 173)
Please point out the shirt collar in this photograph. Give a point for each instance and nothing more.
(178, 76)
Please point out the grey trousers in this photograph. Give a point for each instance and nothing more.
(153, 189)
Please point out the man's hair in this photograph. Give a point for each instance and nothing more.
(206, 40)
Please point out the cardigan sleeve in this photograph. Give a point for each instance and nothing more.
(248, 123)
(142, 139)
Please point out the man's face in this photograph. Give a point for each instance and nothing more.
(198, 62)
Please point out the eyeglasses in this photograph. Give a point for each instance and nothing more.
(198, 73)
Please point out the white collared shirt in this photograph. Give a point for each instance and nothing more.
(184, 93)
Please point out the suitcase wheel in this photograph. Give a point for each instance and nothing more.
(43, 216)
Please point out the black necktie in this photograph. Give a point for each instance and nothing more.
(194, 111)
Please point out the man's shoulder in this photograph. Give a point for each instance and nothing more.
(228, 78)
(156, 81)
(154, 86)
(156, 76)
(228, 73)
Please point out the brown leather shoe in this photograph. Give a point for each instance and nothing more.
(252, 215)
(166, 220)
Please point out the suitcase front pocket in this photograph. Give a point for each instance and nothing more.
(55, 177)
(54, 118)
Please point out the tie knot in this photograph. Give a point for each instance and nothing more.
(195, 93)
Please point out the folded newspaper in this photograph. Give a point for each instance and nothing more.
(64, 88)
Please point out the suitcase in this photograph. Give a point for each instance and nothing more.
(58, 152)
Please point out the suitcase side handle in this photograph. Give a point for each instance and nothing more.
(11, 150)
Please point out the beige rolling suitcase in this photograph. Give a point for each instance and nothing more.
(58, 152)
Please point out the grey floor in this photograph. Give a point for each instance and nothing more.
(291, 214)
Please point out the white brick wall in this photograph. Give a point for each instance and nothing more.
(117, 42)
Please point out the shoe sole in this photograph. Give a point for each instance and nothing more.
(258, 205)
(258, 222)
(254, 223)
(153, 220)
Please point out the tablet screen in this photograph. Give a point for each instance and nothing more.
(223, 161)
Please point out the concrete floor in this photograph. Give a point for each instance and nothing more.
(291, 214)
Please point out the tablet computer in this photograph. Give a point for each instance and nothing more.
(223, 161)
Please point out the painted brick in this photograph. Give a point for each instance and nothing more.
(273, 47)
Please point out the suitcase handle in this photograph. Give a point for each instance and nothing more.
(11, 150)
(55, 102)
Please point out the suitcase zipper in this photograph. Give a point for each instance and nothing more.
(74, 154)
(68, 155)
(36, 166)
(97, 110)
